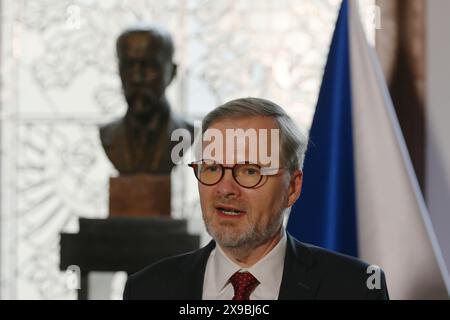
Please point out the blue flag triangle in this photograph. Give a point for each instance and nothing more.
(325, 214)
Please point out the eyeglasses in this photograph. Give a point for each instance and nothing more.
(247, 175)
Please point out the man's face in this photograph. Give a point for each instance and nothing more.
(260, 208)
(145, 71)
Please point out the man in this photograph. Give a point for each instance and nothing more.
(243, 203)
(140, 142)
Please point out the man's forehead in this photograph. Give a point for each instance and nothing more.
(249, 129)
(254, 139)
(139, 44)
(256, 122)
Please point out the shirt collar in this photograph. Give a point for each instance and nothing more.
(268, 270)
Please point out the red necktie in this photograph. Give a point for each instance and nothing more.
(243, 283)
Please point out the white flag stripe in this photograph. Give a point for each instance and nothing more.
(394, 228)
(437, 183)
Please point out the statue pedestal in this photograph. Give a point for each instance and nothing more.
(139, 195)
(122, 244)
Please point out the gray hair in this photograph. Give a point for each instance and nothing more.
(152, 30)
(293, 140)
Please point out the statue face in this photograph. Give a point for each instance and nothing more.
(145, 72)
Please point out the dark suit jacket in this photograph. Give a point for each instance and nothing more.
(309, 273)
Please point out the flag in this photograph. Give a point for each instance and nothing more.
(360, 194)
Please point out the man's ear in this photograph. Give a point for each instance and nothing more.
(295, 187)
(173, 72)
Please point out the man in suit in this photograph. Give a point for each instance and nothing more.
(244, 199)
(140, 142)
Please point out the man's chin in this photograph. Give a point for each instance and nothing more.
(229, 239)
(141, 111)
(143, 105)
(231, 243)
(142, 114)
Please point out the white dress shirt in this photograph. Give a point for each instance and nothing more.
(268, 271)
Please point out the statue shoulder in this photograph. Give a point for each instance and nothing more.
(109, 131)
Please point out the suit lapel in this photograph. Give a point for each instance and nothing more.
(300, 278)
(299, 282)
(193, 272)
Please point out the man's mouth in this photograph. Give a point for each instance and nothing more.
(229, 211)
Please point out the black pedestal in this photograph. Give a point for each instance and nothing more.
(123, 244)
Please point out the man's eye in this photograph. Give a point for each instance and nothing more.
(251, 171)
(210, 168)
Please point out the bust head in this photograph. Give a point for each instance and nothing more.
(139, 142)
(146, 68)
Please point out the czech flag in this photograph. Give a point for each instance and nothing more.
(360, 194)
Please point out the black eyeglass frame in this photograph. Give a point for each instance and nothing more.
(264, 172)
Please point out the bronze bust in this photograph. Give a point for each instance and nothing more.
(140, 141)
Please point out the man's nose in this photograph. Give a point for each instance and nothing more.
(137, 73)
(228, 187)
